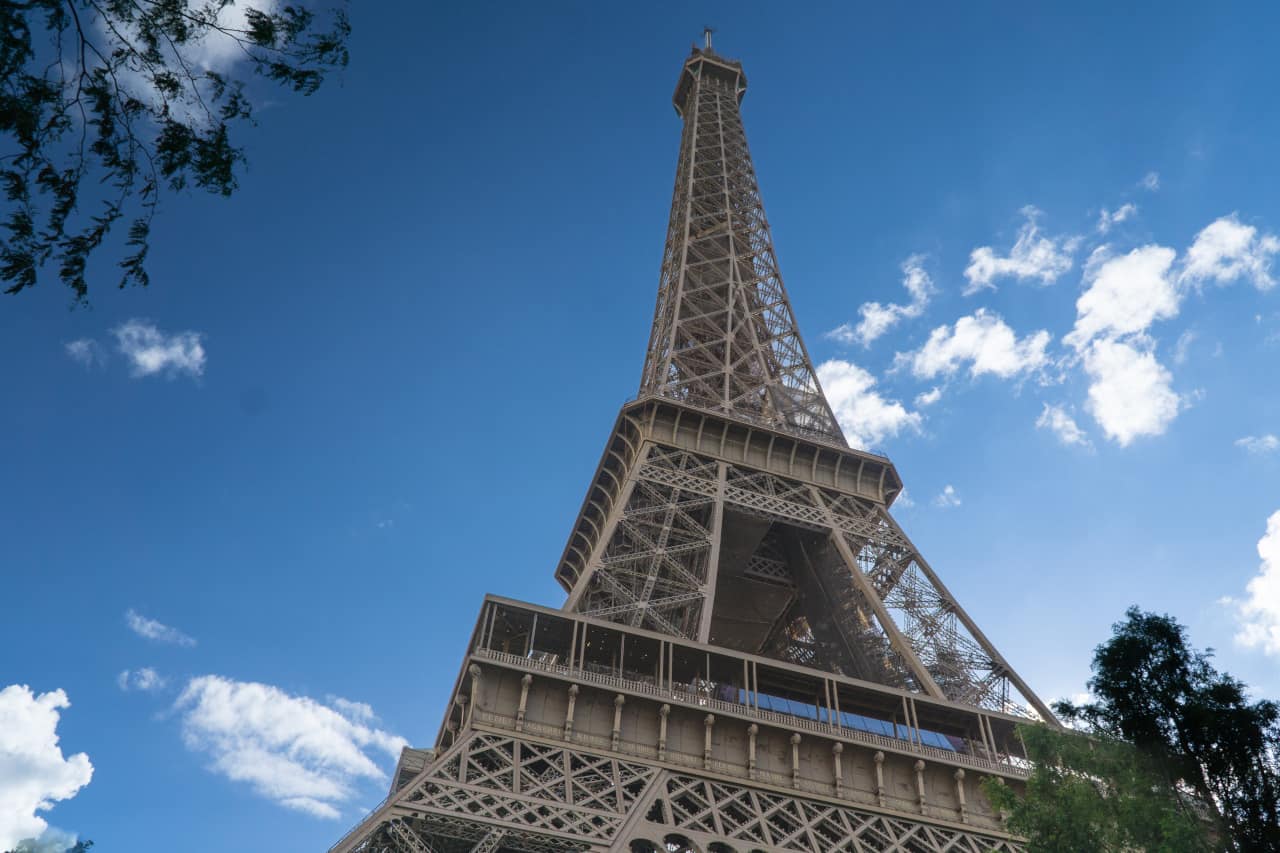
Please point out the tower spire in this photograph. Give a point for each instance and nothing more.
(724, 336)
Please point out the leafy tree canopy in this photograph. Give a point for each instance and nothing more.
(105, 103)
(1161, 712)
(1096, 794)
(51, 846)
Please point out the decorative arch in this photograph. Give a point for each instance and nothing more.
(678, 844)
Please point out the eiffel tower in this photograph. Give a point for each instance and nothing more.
(752, 656)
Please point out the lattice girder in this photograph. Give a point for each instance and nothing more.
(724, 336)
(742, 818)
(864, 601)
(496, 790)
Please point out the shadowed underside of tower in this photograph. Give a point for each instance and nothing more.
(752, 654)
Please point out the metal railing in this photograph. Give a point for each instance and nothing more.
(700, 700)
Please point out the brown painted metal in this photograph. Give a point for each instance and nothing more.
(752, 655)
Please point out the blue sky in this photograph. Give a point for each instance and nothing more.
(373, 385)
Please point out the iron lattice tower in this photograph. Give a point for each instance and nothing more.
(752, 656)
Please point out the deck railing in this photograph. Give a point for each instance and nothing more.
(701, 700)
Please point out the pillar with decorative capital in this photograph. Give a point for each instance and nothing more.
(524, 701)
(708, 724)
(618, 702)
(568, 716)
(663, 713)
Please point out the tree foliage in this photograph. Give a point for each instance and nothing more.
(37, 846)
(1161, 712)
(1096, 794)
(1155, 691)
(105, 103)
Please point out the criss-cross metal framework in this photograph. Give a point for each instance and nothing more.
(752, 656)
(724, 337)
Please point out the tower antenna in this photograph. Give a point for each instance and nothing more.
(706, 37)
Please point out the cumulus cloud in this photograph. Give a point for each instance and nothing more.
(86, 352)
(1130, 394)
(866, 416)
(1259, 444)
(928, 398)
(1034, 257)
(1125, 294)
(293, 750)
(152, 630)
(1226, 250)
(947, 498)
(1150, 181)
(52, 840)
(151, 351)
(359, 712)
(984, 342)
(904, 500)
(213, 51)
(146, 679)
(33, 772)
(878, 318)
(1108, 219)
(1056, 420)
(1259, 613)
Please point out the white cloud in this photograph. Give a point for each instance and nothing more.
(1107, 219)
(292, 750)
(1033, 257)
(151, 351)
(947, 498)
(1056, 420)
(217, 52)
(982, 340)
(1150, 181)
(866, 417)
(33, 772)
(904, 500)
(146, 679)
(1182, 347)
(1259, 443)
(928, 398)
(214, 51)
(1227, 249)
(356, 712)
(86, 352)
(52, 840)
(1125, 294)
(1259, 613)
(878, 318)
(1130, 393)
(153, 630)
